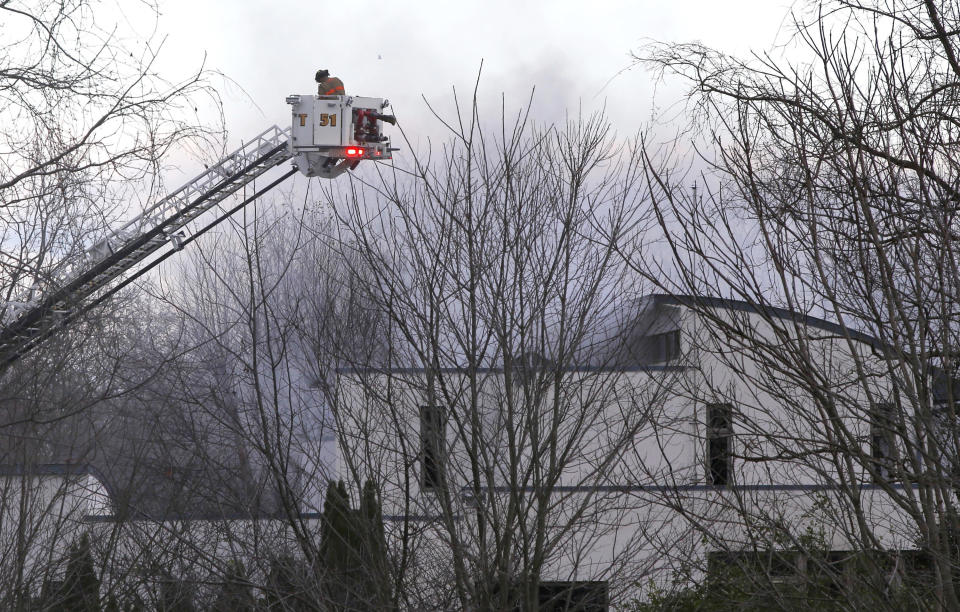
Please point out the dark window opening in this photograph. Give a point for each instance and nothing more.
(823, 576)
(782, 565)
(433, 426)
(662, 347)
(573, 596)
(719, 443)
(775, 564)
(655, 348)
(882, 428)
(829, 572)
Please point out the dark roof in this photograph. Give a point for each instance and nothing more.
(691, 301)
(627, 361)
(465, 370)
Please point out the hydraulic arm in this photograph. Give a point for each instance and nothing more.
(329, 135)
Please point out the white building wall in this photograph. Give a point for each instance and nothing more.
(41, 515)
(655, 510)
(630, 502)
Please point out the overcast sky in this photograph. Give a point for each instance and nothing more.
(572, 52)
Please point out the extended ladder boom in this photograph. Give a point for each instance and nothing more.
(158, 228)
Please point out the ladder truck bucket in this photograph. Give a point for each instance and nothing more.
(332, 134)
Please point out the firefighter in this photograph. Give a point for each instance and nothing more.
(328, 85)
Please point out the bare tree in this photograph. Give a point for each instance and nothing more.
(828, 187)
(86, 122)
(497, 423)
(233, 435)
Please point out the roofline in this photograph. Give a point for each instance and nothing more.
(464, 370)
(241, 516)
(59, 469)
(690, 301)
(687, 301)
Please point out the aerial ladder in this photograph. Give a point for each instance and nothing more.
(328, 136)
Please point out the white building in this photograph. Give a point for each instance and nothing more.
(686, 438)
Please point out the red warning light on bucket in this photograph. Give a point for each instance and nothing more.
(354, 152)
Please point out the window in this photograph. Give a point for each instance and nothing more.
(433, 433)
(763, 573)
(668, 345)
(659, 348)
(823, 578)
(719, 443)
(882, 429)
(573, 596)
(778, 566)
(656, 348)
